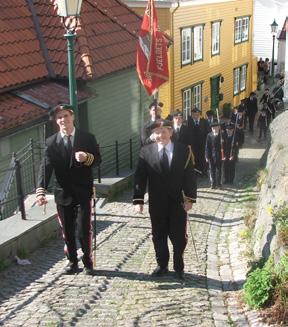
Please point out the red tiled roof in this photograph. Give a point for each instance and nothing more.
(106, 38)
(21, 57)
(49, 94)
(106, 41)
(15, 111)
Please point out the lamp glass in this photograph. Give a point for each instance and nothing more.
(274, 26)
(69, 7)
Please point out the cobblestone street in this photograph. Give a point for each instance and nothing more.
(122, 293)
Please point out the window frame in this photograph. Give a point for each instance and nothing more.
(239, 79)
(197, 97)
(241, 25)
(186, 99)
(236, 81)
(200, 40)
(188, 49)
(217, 37)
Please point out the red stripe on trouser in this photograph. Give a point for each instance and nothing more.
(63, 235)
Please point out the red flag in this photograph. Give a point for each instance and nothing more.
(152, 59)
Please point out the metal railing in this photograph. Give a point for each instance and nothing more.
(20, 178)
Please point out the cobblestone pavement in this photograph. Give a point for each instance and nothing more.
(122, 293)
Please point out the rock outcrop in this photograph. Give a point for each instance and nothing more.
(274, 190)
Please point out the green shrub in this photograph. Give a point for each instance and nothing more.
(281, 220)
(258, 288)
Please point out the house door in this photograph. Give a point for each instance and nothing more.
(215, 99)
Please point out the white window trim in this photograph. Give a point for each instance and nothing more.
(237, 30)
(186, 46)
(197, 96)
(245, 29)
(215, 46)
(236, 80)
(198, 42)
(186, 103)
(243, 77)
(241, 29)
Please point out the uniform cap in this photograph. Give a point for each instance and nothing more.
(161, 123)
(240, 109)
(230, 126)
(196, 110)
(215, 123)
(209, 113)
(61, 107)
(177, 114)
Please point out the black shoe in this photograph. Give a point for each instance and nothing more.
(213, 187)
(88, 270)
(158, 271)
(71, 268)
(180, 275)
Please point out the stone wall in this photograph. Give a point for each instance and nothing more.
(274, 190)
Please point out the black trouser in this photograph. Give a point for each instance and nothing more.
(169, 220)
(229, 170)
(215, 172)
(68, 221)
(264, 131)
(251, 122)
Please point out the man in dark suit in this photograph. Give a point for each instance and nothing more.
(198, 129)
(180, 130)
(155, 111)
(168, 169)
(71, 153)
(214, 154)
(252, 109)
(230, 153)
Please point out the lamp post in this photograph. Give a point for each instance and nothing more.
(274, 26)
(66, 9)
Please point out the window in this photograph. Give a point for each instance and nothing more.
(243, 78)
(197, 96)
(240, 77)
(186, 46)
(191, 98)
(215, 47)
(186, 103)
(236, 80)
(198, 42)
(245, 28)
(241, 29)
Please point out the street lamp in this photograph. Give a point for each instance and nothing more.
(66, 9)
(274, 26)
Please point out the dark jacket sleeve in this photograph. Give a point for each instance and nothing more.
(140, 179)
(45, 172)
(93, 154)
(190, 181)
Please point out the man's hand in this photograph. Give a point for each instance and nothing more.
(41, 199)
(187, 205)
(139, 208)
(81, 156)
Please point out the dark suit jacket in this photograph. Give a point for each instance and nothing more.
(73, 179)
(182, 136)
(252, 106)
(163, 188)
(213, 147)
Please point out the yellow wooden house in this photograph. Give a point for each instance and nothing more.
(211, 61)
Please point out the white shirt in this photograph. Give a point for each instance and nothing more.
(169, 150)
(65, 137)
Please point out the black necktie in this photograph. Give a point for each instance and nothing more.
(196, 123)
(68, 148)
(164, 161)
